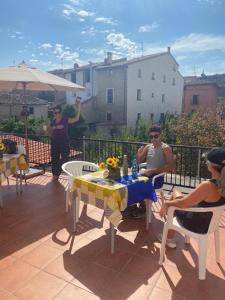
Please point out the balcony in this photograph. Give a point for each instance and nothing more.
(41, 258)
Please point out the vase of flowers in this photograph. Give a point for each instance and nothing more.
(111, 165)
(2, 149)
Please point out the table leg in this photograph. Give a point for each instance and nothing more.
(16, 181)
(112, 229)
(1, 199)
(21, 178)
(74, 210)
(148, 213)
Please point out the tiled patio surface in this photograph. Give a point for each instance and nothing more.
(42, 259)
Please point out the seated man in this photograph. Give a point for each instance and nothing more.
(159, 158)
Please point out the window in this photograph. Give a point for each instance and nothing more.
(152, 117)
(163, 98)
(31, 110)
(138, 116)
(108, 116)
(173, 82)
(174, 68)
(153, 76)
(139, 73)
(153, 95)
(195, 100)
(138, 94)
(109, 95)
(164, 78)
(74, 77)
(87, 76)
(110, 72)
(162, 118)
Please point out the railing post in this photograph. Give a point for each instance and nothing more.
(99, 152)
(84, 146)
(199, 164)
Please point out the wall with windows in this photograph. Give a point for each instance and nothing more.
(154, 86)
(111, 95)
(200, 97)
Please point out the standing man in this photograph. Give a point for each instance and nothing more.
(159, 159)
(58, 132)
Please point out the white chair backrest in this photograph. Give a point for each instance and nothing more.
(78, 168)
(215, 221)
(21, 149)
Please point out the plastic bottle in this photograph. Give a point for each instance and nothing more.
(134, 168)
(125, 165)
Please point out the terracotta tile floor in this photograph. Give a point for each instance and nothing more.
(40, 258)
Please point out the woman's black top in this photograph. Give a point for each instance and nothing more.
(196, 221)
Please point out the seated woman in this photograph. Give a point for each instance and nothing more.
(209, 193)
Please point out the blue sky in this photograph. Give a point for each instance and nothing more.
(57, 33)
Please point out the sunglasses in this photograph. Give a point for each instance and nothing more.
(153, 136)
(56, 112)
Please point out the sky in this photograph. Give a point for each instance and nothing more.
(55, 34)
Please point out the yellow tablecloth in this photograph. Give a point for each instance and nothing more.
(112, 197)
(10, 164)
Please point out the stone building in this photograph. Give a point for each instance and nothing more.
(119, 92)
(11, 105)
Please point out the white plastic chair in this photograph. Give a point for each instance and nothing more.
(160, 190)
(76, 168)
(202, 239)
(149, 203)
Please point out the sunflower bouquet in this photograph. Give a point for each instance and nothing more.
(111, 167)
(2, 149)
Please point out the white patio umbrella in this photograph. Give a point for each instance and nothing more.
(25, 77)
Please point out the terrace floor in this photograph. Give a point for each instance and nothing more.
(42, 259)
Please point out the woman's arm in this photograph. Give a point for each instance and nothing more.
(199, 194)
(76, 118)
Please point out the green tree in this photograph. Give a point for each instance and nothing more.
(78, 129)
(199, 129)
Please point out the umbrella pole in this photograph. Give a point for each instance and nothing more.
(26, 123)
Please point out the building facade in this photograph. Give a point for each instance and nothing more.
(119, 92)
(204, 93)
(11, 106)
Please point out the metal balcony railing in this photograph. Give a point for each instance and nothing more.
(190, 168)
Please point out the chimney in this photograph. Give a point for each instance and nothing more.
(108, 59)
(168, 49)
(75, 66)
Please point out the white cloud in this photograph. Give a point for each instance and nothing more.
(197, 42)
(148, 28)
(105, 20)
(192, 43)
(84, 13)
(33, 61)
(210, 2)
(120, 42)
(16, 35)
(76, 2)
(92, 30)
(62, 53)
(70, 10)
(46, 46)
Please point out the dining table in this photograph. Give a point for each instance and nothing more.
(112, 196)
(12, 164)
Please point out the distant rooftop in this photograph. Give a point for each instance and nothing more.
(110, 62)
(6, 98)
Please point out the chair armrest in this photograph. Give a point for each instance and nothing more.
(157, 176)
(143, 165)
(195, 209)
